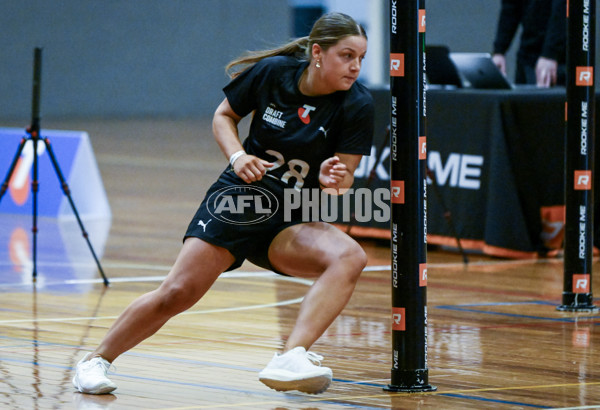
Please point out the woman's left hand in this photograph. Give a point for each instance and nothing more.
(332, 173)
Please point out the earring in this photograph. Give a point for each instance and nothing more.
(318, 64)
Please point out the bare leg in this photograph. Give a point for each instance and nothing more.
(336, 260)
(197, 267)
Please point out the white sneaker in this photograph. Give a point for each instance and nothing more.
(90, 376)
(294, 370)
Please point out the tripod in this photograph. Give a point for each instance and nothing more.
(33, 132)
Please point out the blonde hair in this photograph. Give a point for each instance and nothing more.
(326, 32)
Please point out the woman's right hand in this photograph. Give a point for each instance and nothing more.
(251, 168)
(500, 62)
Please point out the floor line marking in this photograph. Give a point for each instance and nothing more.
(134, 279)
(126, 265)
(460, 308)
(187, 313)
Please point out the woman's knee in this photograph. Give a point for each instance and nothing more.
(309, 250)
(174, 298)
(362, 258)
(350, 256)
(357, 255)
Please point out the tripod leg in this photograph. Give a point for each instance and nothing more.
(34, 190)
(67, 192)
(12, 167)
(447, 214)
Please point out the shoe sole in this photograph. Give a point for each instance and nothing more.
(100, 390)
(311, 385)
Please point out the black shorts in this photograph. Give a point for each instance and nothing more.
(242, 218)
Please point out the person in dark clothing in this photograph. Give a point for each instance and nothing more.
(542, 50)
(311, 124)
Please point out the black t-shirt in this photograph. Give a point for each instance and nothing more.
(294, 131)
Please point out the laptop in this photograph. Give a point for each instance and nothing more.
(479, 71)
(440, 70)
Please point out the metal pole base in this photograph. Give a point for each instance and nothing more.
(412, 389)
(410, 381)
(577, 308)
(577, 302)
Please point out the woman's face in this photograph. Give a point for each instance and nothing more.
(341, 63)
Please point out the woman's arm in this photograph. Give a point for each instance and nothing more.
(337, 173)
(225, 122)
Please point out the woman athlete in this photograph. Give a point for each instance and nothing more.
(312, 122)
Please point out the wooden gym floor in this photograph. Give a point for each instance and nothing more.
(495, 338)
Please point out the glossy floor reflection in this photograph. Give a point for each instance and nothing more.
(491, 344)
(63, 254)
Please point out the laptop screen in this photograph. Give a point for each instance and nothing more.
(440, 68)
(479, 71)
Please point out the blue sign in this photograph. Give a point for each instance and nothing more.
(75, 160)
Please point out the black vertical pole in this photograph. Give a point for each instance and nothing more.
(408, 197)
(579, 156)
(34, 131)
